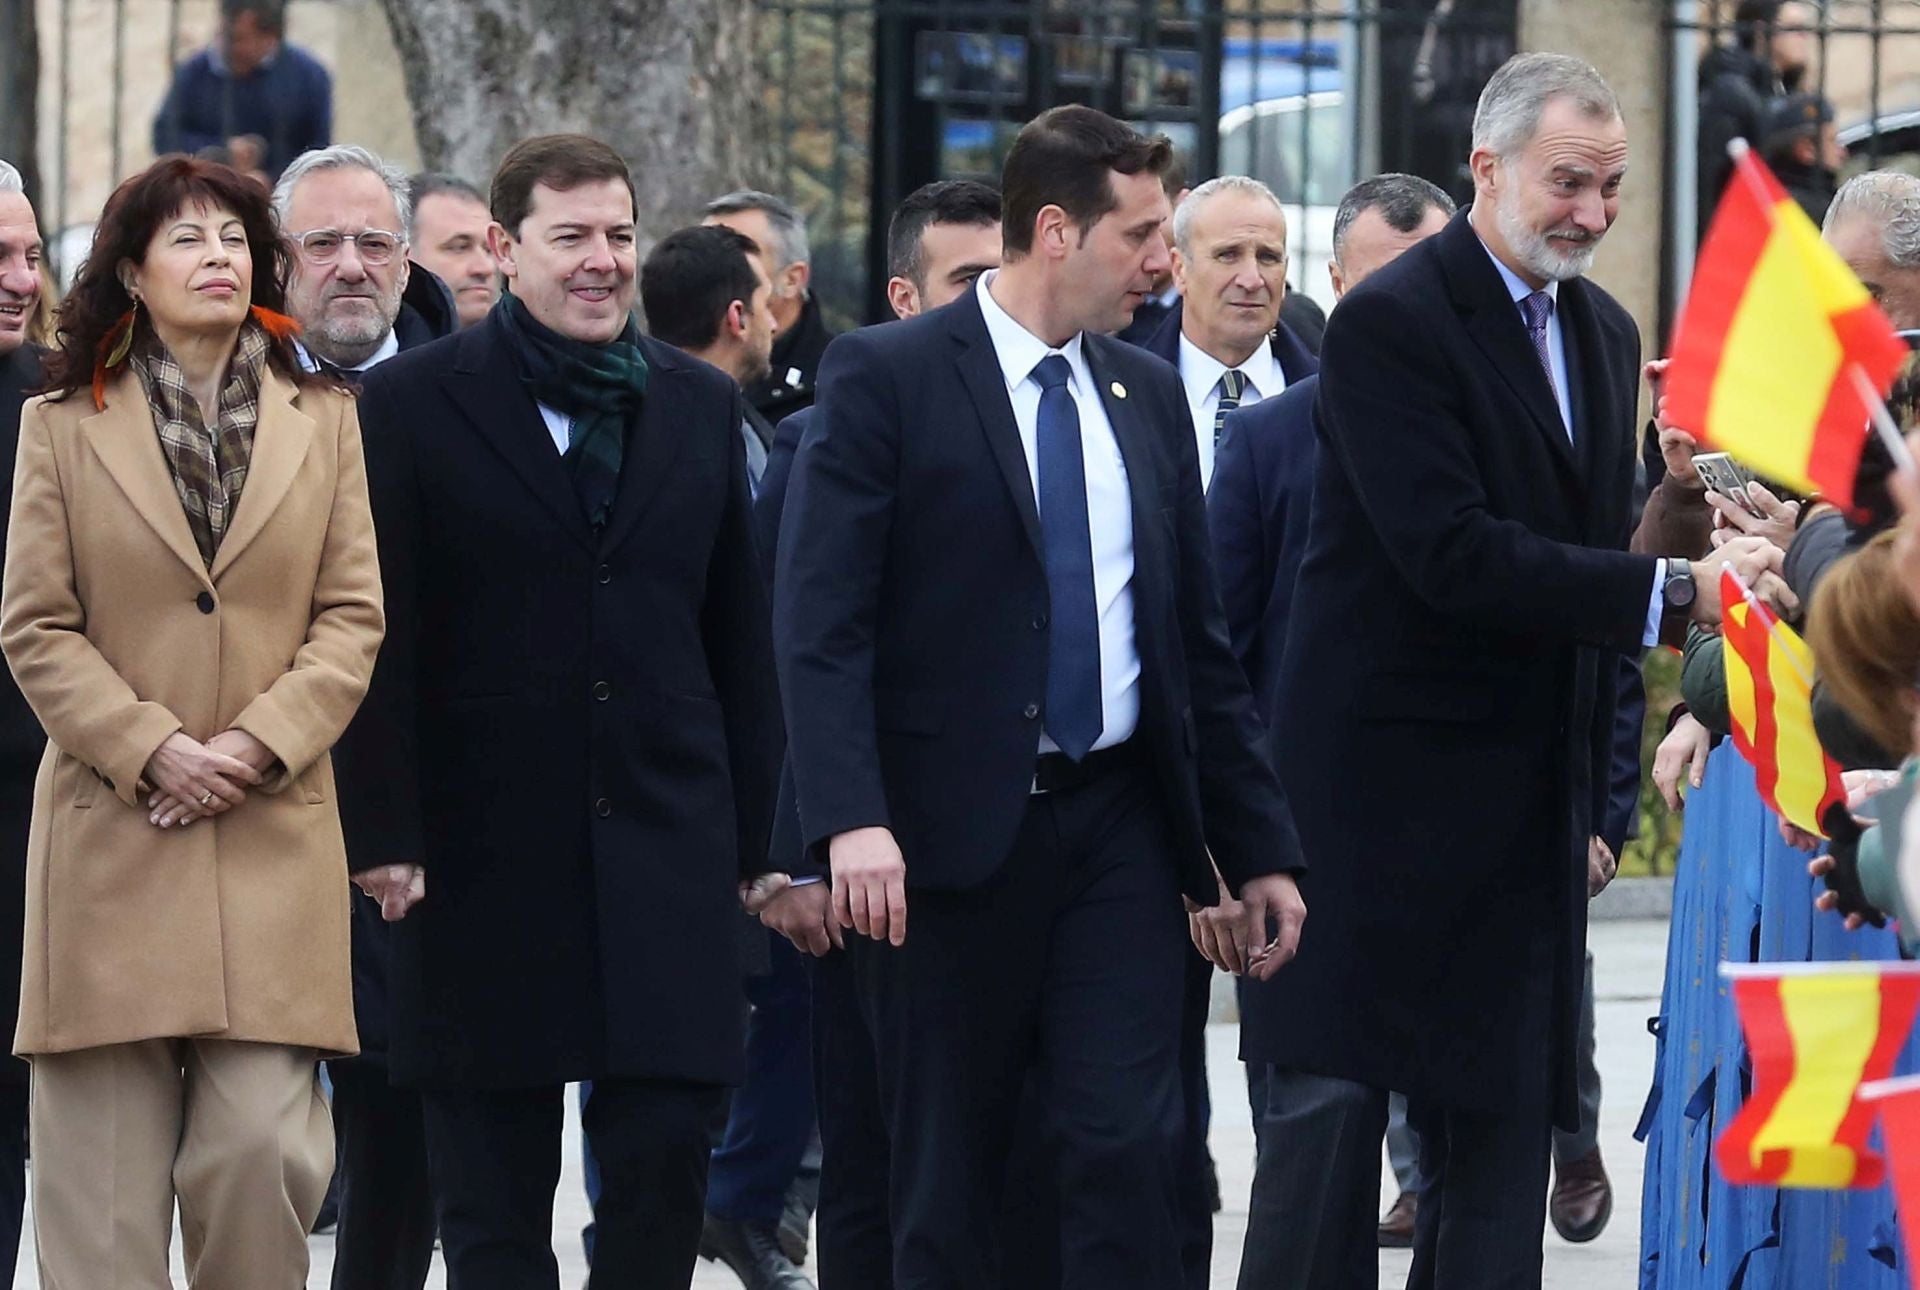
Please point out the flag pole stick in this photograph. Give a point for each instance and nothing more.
(1883, 421)
(1768, 621)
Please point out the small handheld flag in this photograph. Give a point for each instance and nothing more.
(1898, 1102)
(1770, 701)
(1816, 1032)
(1779, 346)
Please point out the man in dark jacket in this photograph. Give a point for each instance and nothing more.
(1800, 144)
(21, 740)
(800, 333)
(249, 93)
(567, 760)
(1768, 57)
(358, 302)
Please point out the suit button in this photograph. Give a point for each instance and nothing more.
(1039, 622)
(205, 601)
(602, 691)
(1031, 711)
(603, 808)
(604, 575)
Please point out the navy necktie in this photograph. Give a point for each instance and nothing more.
(1233, 384)
(1074, 716)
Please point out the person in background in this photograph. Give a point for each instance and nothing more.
(1801, 145)
(705, 292)
(192, 606)
(249, 92)
(800, 333)
(24, 291)
(447, 233)
(1772, 45)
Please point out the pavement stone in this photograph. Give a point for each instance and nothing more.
(1630, 959)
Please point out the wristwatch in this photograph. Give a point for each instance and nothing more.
(1676, 588)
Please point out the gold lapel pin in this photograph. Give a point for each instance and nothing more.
(1119, 390)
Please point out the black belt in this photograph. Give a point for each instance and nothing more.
(1059, 773)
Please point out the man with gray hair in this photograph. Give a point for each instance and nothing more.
(359, 302)
(1874, 224)
(21, 740)
(800, 334)
(1445, 702)
(353, 291)
(1223, 334)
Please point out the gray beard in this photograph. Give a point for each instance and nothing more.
(1535, 250)
(345, 347)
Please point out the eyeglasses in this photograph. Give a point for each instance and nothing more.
(376, 246)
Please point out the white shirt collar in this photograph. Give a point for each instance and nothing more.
(1200, 371)
(1018, 349)
(1516, 285)
(388, 348)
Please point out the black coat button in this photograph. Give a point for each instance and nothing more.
(602, 691)
(205, 601)
(604, 574)
(1032, 711)
(1039, 622)
(603, 808)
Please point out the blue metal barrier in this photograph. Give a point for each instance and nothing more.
(1741, 894)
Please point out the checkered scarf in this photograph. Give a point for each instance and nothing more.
(209, 466)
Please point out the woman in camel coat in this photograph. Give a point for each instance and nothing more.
(192, 607)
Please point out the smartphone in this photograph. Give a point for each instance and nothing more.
(1727, 477)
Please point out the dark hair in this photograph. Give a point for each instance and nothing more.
(945, 201)
(691, 278)
(1065, 157)
(98, 300)
(429, 183)
(1753, 22)
(270, 15)
(1402, 200)
(560, 161)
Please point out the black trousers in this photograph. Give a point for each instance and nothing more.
(13, 1173)
(385, 1236)
(496, 1163)
(1067, 968)
(1312, 1216)
(853, 1239)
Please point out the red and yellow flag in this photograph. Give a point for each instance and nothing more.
(1816, 1032)
(1898, 1102)
(1776, 336)
(1770, 698)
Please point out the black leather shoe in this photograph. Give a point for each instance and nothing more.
(1582, 1199)
(1396, 1229)
(796, 1220)
(753, 1251)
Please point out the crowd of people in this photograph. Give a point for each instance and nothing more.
(896, 729)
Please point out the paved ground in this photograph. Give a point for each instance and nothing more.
(1629, 958)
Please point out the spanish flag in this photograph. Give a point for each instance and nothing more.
(1898, 1102)
(1770, 698)
(1779, 348)
(1816, 1032)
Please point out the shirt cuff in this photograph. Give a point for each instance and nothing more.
(1656, 605)
(806, 880)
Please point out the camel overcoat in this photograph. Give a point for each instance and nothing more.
(235, 926)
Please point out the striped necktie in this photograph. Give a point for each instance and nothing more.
(1233, 383)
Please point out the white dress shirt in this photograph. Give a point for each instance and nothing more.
(1200, 372)
(388, 348)
(559, 425)
(1109, 506)
(1557, 357)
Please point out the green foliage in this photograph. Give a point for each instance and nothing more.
(1657, 845)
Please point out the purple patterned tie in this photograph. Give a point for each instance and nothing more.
(1538, 308)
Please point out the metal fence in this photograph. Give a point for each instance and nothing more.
(868, 99)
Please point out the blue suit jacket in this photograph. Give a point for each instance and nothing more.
(1296, 361)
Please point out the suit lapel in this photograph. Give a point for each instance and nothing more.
(281, 439)
(652, 446)
(123, 438)
(1598, 413)
(986, 384)
(1493, 321)
(485, 385)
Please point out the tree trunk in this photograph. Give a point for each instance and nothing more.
(668, 83)
(20, 92)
